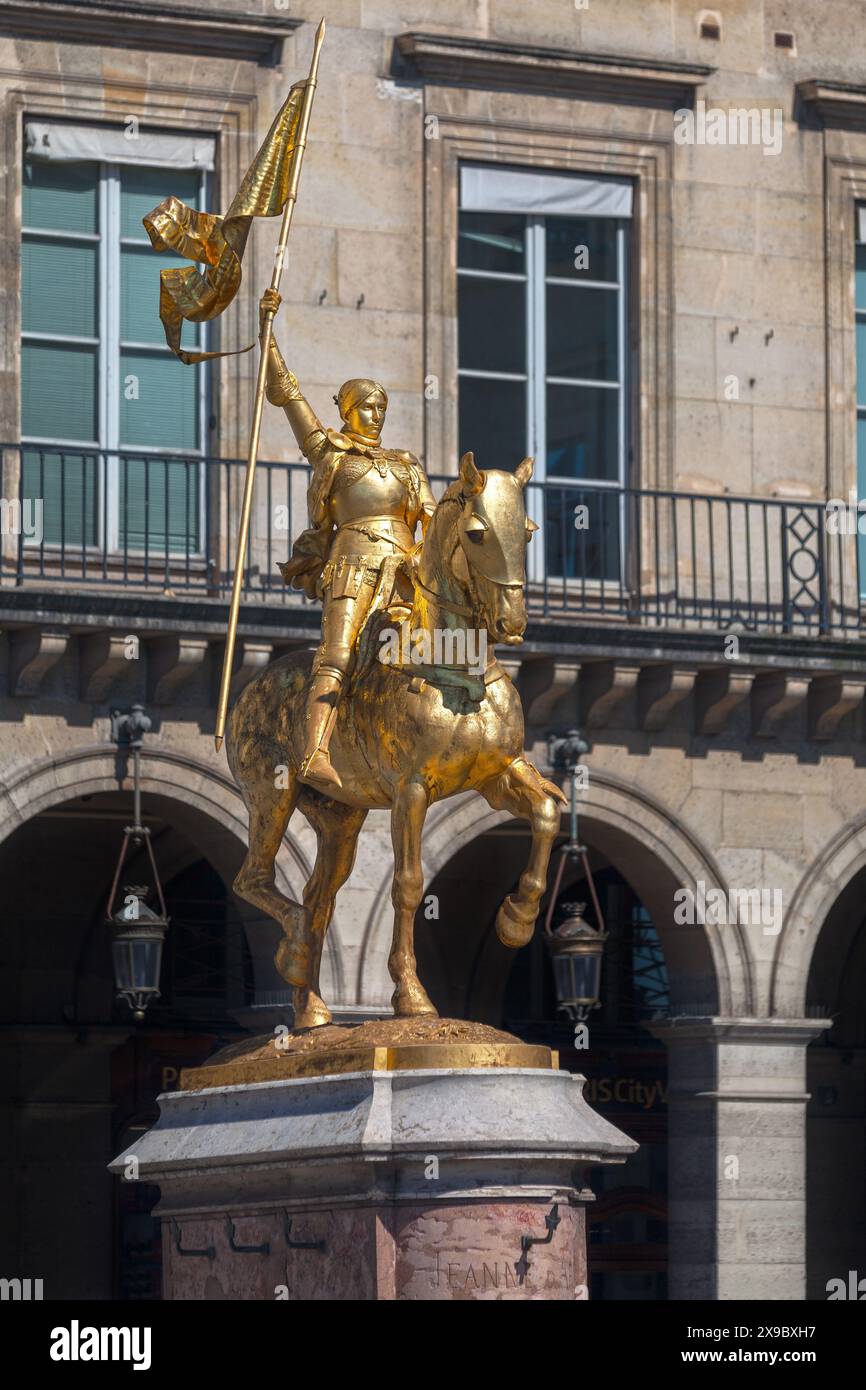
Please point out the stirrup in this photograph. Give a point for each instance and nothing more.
(318, 777)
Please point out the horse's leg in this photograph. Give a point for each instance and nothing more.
(270, 808)
(337, 829)
(524, 792)
(407, 821)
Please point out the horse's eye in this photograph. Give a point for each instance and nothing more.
(476, 537)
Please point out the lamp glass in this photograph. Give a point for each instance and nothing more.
(577, 978)
(137, 964)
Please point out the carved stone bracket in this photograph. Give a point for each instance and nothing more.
(555, 701)
(774, 698)
(718, 693)
(254, 656)
(33, 652)
(172, 663)
(607, 689)
(830, 699)
(660, 690)
(102, 661)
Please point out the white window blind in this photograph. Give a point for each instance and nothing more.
(493, 188)
(72, 143)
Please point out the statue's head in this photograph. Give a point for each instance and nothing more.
(362, 404)
(493, 532)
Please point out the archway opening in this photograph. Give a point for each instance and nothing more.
(836, 1113)
(81, 1077)
(651, 967)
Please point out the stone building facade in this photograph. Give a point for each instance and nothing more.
(685, 371)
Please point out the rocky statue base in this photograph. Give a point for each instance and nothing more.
(424, 1160)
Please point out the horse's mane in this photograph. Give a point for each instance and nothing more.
(433, 553)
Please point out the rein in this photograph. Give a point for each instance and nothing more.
(459, 609)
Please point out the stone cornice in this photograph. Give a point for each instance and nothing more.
(442, 58)
(160, 27)
(837, 103)
(578, 638)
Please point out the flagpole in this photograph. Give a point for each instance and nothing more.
(255, 428)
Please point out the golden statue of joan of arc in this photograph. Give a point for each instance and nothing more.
(364, 505)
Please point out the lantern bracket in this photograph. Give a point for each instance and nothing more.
(127, 731)
(551, 1221)
(208, 1253)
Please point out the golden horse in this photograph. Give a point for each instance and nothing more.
(406, 735)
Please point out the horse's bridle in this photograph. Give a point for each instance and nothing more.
(459, 609)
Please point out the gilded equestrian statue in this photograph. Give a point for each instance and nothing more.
(340, 731)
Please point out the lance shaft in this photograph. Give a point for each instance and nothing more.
(261, 381)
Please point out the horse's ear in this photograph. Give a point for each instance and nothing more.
(523, 471)
(472, 479)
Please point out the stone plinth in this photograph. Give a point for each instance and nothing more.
(377, 1184)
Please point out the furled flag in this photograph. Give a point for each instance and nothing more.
(219, 242)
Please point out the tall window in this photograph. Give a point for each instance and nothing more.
(104, 402)
(542, 275)
(860, 311)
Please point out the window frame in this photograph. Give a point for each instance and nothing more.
(557, 145)
(109, 349)
(536, 378)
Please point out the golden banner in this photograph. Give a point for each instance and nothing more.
(219, 242)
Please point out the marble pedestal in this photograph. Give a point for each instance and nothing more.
(433, 1183)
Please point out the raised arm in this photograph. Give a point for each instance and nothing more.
(282, 387)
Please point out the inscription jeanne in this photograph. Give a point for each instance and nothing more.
(500, 1274)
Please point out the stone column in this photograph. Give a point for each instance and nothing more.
(737, 1156)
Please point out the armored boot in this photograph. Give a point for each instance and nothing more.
(316, 769)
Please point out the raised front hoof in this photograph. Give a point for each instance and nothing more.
(319, 774)
(294, 962)
(310, 1010)
(412, 1001)
(512, 927)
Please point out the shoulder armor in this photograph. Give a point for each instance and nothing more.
(340, 441)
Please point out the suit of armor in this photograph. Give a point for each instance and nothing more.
(364, 504)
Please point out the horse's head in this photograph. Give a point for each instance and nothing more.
(493, 531)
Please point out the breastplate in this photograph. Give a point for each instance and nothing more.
(370, 496)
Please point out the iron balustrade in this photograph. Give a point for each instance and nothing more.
(167, 522)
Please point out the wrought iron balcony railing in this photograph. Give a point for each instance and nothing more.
(167, 523)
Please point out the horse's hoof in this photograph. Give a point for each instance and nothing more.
(412, 1002)
(311, 1011)
(294, 962)
(513, 929)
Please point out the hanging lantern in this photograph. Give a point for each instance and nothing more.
(576, 952)
(576, 948)
(136, 951)
(138, 931)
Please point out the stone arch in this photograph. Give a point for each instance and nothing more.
(824, 881)
(173, 775)
(654, 851)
